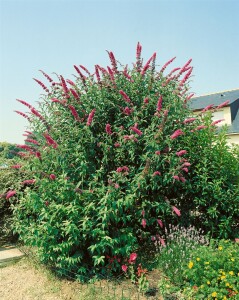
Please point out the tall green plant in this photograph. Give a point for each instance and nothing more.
(108, 163)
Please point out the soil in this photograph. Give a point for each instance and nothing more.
(26, 281)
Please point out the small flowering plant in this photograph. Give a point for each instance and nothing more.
(213, 271)
(135, 272)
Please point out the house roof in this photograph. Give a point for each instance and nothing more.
(198, 103)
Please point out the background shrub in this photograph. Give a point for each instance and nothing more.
(110, 157)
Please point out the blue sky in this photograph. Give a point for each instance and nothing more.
(53, 35)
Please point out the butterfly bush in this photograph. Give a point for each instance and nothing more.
(101, 149)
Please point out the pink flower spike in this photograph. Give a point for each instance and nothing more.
(146, 100)
(125, 96)
(176, 134)
(74, 93)
(190, 120)
(108, 129)
(117, 145)
(50, 140)
(176, 210)
(144, 223)
(157, 152)
(24, 103)
(22, 114)
(208, 107)
(136, 130)
(74, 112)
(162, 241)
(160, 223)
(182, 179)
(223, 104)
(30, 181)
(124, 268)
(159, 104)
(70, 82)
(176, 177)
(86, 70)
(16, 166)
(118, 170)
(216, 122)
(153, 238)
(186, 164)
(37, 114)
(32, 141)
(156, 173)
(237, 240)
(132, 257)
(147, 65)
(10, 194)
(166, 64)
(200, 127)
(47, 76)
(143, 212)
(181, 152)
(42, 85)
(185, 169)
(52, 176)
(90, 117)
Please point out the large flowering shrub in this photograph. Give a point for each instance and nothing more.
(109, 158)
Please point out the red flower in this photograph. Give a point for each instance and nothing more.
(132, 258)
(190, 120)
(159, 104)
(200, 127)
(50, 140)
(208, 107)
(42, 85)
(216, 122)
(223, 104)
(176, 210)
(52, 176)
(74, 112)
(10, 194)
(160, 223)
(176, 134)
(162, 241)
(181, 152)
(117, 145)
(145, 68)
(156, 173)
(108, 129)
(157, 152)
(124, 268)
(125, 96)
(166, 64)
(144, 223)
(23, 115)
(30, 181)
(16, 166)
(90, 117)
(146, 100)
(176, 177)
(143, 212)
(24, 103)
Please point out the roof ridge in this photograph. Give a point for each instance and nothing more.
(215, 93)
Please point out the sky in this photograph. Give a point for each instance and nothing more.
(53, 35)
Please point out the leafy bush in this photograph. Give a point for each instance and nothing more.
(10, 180)
(108, 163)
(214, 271)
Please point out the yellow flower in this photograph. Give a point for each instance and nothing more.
(224, 298)
(223, 277)
(198, 259)
(190, 265)
(231, 273)
(207, 263)
(227, 284)
(208, 282)
(220, 248)
(214, 294)
(232, 259)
